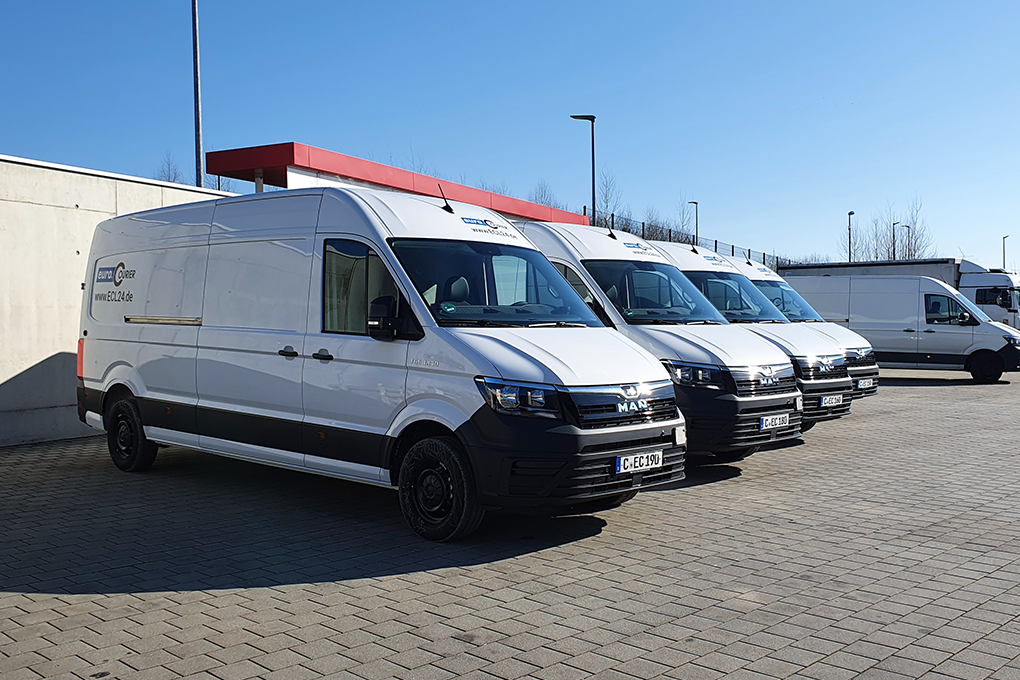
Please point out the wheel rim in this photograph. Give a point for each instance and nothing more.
(433, 492)
(124, 439)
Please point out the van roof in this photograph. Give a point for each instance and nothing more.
(592, 243)
(687, 259)
(755, 271)
(395, 214)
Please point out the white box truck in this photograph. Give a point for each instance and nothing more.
(818, 360)
(735, 389)
(372, 336)
(915, 322)
(996, 292)
(860, 356)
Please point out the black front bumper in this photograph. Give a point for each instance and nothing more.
(719, 421)
(531, 462)
(1010, 358)
(816, 390)
(864, 373)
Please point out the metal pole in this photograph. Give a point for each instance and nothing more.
(849, 238)
(593, 170)
(1004, 251)
(894, 240)
(199, 160)
(643, 231)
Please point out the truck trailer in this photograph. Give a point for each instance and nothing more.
(996, 292)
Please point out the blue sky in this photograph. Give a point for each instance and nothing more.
(777, 117)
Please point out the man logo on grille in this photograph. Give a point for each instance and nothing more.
(630, 391)
(768, 377)
(632, 406)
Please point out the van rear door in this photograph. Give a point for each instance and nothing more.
(885, 311)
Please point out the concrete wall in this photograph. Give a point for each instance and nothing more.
(47, 216)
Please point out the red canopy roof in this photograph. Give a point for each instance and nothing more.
(274, 159)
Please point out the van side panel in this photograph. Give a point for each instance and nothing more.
(255, 307)
(829, 295)
(884, 310)
(144, 309)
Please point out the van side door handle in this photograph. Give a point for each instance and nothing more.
(909, 330)
(928, 330)
(287, 351)
(323, 355)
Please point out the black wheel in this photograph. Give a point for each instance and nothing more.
(735, 455)
(437, 492)
(129, 448)
(986, 368)
(804, 427)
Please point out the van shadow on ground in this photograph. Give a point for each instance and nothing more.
(72, 523)
(940, 381)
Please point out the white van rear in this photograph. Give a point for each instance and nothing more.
(915, 322)
(371, 336)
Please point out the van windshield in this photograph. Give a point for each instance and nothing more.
(652, 292)
(974, 310)
(736, 297)
(467, 283)
(788, 301)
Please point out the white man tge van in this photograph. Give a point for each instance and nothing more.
(818, 360)
(916, 322)
(379, 337)
(860, 356)
(736, 390)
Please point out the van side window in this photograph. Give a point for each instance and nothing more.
(993, 296)
(575, 282)
(353, 276)
(942, 310)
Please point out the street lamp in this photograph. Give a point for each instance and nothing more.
(907, 227)
(199, 159)
(894, 239)
(849, 242)
(1004, 250)
(591, 119)
(696, 238)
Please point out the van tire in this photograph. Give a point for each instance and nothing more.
(804, 427)
(125, 436)
(437, 491)
(986, 368)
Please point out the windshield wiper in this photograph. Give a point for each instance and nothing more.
(557, 324)
(706, 322)
(655, 322)
(478, 322)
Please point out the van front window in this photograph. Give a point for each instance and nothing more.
(736, 297)
(489, 284)
(652, 293)
(788, 301)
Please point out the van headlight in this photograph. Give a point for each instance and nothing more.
(695, 375)
(520, 399)
(1012, 340)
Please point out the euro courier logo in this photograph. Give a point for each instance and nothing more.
(105, 274)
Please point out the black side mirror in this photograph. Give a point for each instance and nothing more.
(383, 323)
(964, 318)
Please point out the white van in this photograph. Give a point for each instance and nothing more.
(860, 356)
(736, 390)
(818, 360)
(372, 336)
(916, 322)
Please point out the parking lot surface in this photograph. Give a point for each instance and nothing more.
(887, 545)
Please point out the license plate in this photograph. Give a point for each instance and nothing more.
(639, 462)
(865, 383)
(769, 422)
(835, 400)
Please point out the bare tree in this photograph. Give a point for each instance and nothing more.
(501, 188)
(221, 183)
(684, 220)
(918, 242)
(543, 195)
(609, 198)
(169, 171)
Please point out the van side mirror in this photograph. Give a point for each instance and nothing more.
(964, 318)
(383, 323)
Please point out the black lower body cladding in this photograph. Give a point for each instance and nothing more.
(533, 462)
(719, 423)
(1010, 358)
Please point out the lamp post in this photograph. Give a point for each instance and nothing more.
(696, 236)
(849, 241)
(199, 160)
(591, 119)
(1004, 250)
(894, 239)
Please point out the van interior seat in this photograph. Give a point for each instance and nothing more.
(456, 289)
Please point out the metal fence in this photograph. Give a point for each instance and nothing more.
(664, 232)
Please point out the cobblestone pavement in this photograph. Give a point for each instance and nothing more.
(886, 545)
